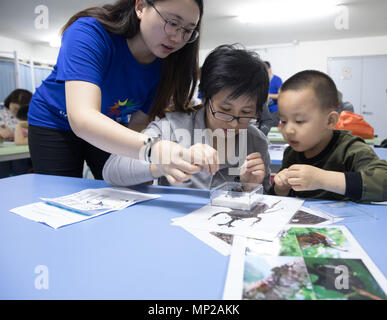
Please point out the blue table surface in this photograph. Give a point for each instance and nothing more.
(381, 152)
(133, 253)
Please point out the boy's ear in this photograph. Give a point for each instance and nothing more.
(333, 118)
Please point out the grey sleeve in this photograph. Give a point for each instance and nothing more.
(124, 171)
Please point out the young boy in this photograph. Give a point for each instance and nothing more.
(233, 86)
(321, 162)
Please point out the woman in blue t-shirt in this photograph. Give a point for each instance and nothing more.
(131, 58)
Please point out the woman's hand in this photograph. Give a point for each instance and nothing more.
(204, 156)
(253, 169)
(177, 163)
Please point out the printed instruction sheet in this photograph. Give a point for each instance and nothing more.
(83, 205)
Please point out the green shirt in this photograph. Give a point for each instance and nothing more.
(365, 173)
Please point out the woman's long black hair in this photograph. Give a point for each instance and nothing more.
(179, 70)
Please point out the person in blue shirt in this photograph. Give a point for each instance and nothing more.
(123, 63)
(275, 85)
(269, 117)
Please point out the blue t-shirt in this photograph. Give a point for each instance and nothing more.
(90, 53)
(275, 85)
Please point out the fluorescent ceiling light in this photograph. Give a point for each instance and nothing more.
(285, 11)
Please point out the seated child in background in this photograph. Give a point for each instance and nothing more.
(7, 124)
(21, 130)
(321, 162)
(8, 119)
(13, 128)
(234, 86)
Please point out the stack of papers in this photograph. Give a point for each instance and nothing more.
(83, 205)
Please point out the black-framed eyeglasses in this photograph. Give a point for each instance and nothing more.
(172, 27)
(229, 117)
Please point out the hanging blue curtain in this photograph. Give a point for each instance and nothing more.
(25, 77)
(7, 79)
(40, 75)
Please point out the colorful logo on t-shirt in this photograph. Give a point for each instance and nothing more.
(121, 109)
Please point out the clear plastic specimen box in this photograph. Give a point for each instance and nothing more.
(237, 195)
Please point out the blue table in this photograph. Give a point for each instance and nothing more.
(381, 152)
(129, 254)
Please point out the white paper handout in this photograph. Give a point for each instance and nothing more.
(88, 203)
(97, 201)
(264, 221)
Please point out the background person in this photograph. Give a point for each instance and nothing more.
(8, 119)
(15, 108)
(234, 86)
(275, 85)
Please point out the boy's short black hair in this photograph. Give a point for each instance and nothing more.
(323, 86)
(232, 67)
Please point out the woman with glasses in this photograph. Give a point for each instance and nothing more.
(234, 86)
(131, 59)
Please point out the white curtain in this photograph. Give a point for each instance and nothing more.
(25, 77)
(40, 75)
(7, 79)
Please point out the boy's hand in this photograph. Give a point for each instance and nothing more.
(281, 186)
(305, 177)
(253, 169)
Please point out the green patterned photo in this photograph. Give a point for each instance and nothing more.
(344, 279)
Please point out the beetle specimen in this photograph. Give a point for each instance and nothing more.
(312, 239)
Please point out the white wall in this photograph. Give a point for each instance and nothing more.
(285, 59)
(27, 50)
(288, 59)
